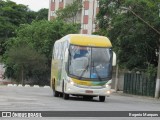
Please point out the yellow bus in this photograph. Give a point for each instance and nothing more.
(82, 66)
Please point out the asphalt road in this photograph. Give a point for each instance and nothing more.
(41, 99)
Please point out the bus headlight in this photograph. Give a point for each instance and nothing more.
(108, 92)
(70, 81)
(107, 85)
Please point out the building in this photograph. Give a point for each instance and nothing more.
(87, 15)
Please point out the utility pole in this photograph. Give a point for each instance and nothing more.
(157, 89)
(116, 80)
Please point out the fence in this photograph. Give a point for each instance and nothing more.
(139, 84)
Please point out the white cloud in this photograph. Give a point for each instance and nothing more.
(34, 5)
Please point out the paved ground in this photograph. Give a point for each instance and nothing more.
(41, 99)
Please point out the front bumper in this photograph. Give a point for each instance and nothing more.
(87, 90)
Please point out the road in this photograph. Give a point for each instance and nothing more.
(41, 99)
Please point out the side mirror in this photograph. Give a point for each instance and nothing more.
(114, 59)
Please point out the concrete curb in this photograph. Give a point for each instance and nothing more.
(10, 85)
(36, 86)
(20, 85)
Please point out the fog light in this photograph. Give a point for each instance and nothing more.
(69, 89)
(108, 92)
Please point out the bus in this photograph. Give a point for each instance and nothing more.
(82, 66)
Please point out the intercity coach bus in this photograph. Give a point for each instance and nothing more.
(82, 66)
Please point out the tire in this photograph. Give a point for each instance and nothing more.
(65, 96)
(102, 98)
(55, 93)
(61, 94)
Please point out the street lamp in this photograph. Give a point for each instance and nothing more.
(157, 90)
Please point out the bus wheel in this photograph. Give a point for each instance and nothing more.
(55, 93)
(61, 94)
(65, 96)
(102, 98)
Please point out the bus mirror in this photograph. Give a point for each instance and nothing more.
(114, 59)
(66, 56)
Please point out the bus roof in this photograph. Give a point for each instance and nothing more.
(89, 40)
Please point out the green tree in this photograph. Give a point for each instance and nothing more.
(70, 12)
(134, 42)
(42, 14)
(42, 34)
(11, 16)
(39, 35)
(23, 58)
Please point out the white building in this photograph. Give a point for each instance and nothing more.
(86, 17)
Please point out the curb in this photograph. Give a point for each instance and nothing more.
(20, 85)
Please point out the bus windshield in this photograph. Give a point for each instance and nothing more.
(90, 62)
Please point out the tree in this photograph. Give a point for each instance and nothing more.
(70, 12)
(39, 35)
(42, 14)
(135, 42)
(11, 16)
(42, 34)
(24, 58)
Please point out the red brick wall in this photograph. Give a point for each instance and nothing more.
(61, 5)
(52, 6)
(84, 31)
(86, 5)
(85, 19)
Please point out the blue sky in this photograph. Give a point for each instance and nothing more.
(34, 5)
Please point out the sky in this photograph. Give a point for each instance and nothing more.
(34, 5)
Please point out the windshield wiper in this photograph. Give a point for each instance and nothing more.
(96, 71)
(83, 71)
(98, 75)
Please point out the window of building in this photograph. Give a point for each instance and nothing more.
(86, 12)
(53, 0)
(85, 26)
(53, 13)
(97, 3)
(60, 0)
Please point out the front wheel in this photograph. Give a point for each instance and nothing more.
(55, 93)
(102, 98)
(65, 96)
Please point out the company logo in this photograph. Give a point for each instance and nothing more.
(6, 114)
(20, 114)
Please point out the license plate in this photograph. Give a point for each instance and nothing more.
(89, 91)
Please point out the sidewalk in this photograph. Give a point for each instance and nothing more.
(131, 95)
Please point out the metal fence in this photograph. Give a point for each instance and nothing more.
(139, 84)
